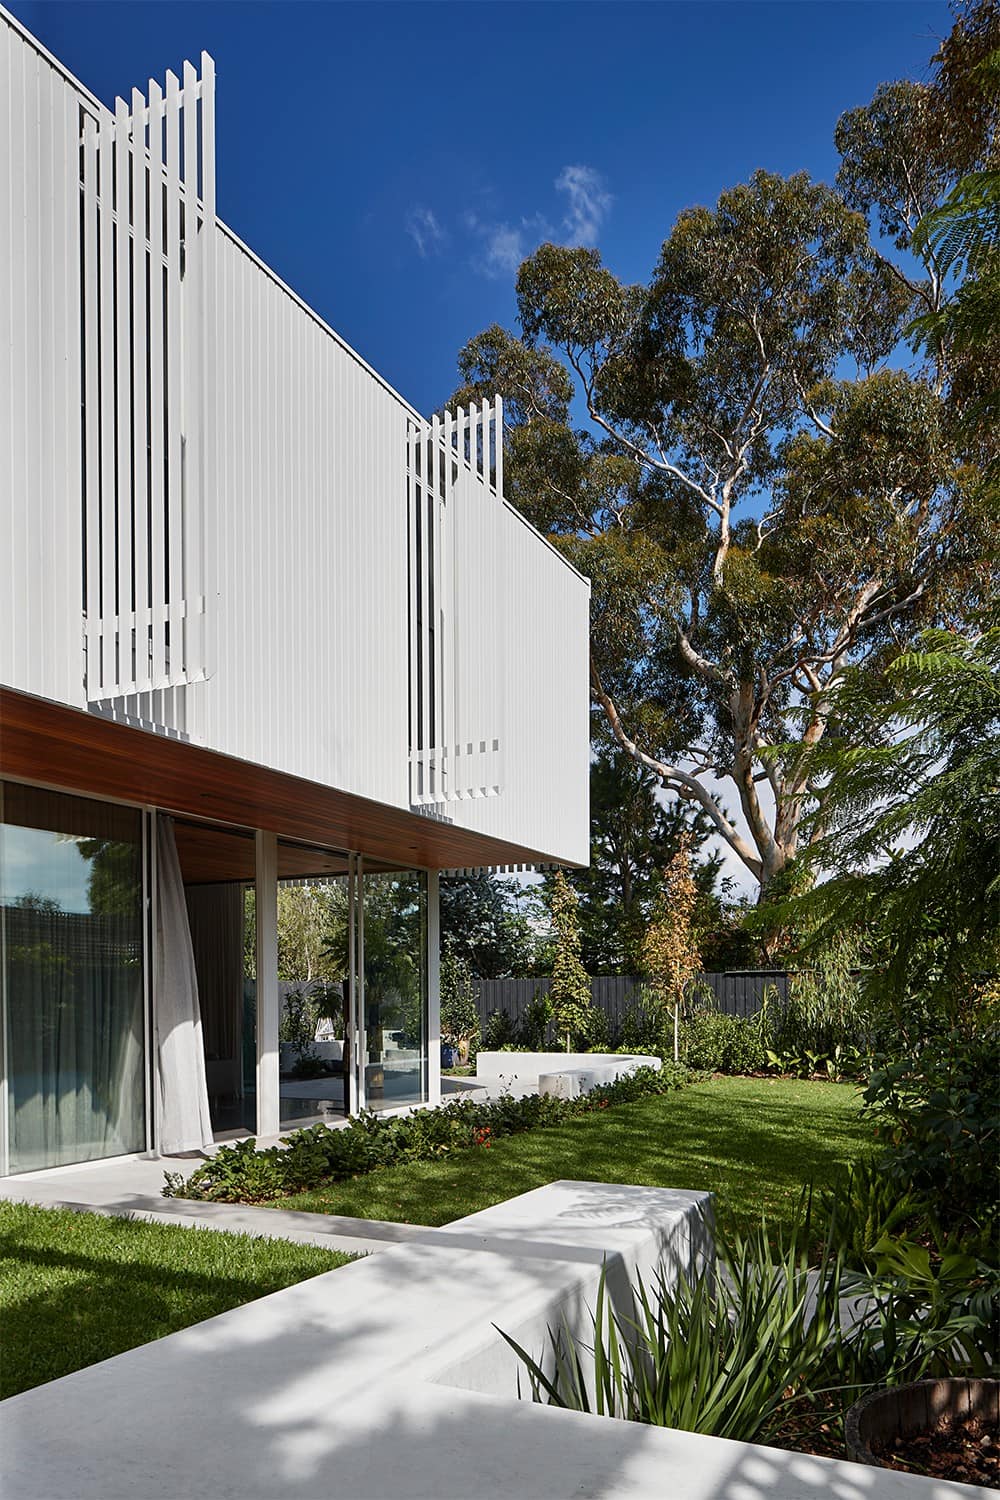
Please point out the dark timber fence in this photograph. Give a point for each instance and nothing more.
(738, 993)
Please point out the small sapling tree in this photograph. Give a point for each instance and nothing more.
(570, 993)
(670, 950)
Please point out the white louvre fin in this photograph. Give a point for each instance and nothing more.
(148, 266)
(457, 657)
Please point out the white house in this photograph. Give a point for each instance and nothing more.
(259, 621)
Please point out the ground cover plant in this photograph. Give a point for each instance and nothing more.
(76, 1288)
(752, 1142)
(242, 1174)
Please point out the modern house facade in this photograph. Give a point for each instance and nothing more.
(260, 622)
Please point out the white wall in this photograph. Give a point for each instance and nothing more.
(312, 648)
(41, 590)
(545, 799)
(302, 450)
(311, 658)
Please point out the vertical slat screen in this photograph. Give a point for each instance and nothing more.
(157, 345)
(148, 215)
(457, 595)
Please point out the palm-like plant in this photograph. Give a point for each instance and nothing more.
(913, 822)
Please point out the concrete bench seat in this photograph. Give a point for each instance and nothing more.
(387, 1380)
(563, 1074)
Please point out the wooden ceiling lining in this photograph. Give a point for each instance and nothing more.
(67, 748)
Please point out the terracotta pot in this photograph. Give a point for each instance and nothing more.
(908, 1410)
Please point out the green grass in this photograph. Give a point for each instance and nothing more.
(76, 1288)
(753, 1142)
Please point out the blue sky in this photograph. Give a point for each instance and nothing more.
(394, 161)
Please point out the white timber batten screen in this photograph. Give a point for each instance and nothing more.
(456, 594)
(147, 266)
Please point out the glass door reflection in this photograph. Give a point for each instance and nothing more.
(394, 970)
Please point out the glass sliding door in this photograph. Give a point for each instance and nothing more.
(72, 961)
(315, 916)
(394, 971)
(217, 869)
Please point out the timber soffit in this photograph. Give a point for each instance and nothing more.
(71, 749)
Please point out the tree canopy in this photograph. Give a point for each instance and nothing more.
(634, 833)
(482, 925)
(766, 488)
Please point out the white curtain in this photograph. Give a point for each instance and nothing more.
(182, 1093)
(71, 912)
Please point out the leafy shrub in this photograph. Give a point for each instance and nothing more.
(937, 1116)
(570, 994)
(825, 1007)
(644, 1028)
(598, 1031)
(536, 1020)
(722, 1044)
(932, 1312)
(762, 1352)
(459, 1013)
(241, 1174)
(865, 1206)
(498, 1032)
(720, 1354)
(310, 1065)
(299, 1019)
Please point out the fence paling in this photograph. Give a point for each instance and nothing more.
(737, 993)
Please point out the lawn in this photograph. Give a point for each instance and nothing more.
(753, 1142)
(76, 1288)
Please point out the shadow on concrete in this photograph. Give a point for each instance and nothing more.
(347, 1386)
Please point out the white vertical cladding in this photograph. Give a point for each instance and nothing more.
(544, 804)
(147, 271)
(294, 511)
(311, 654)
(41, 598)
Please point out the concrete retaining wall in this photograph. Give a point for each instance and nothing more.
(388, 1378)
(522, 1071)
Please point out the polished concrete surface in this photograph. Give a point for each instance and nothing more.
(388, 1380)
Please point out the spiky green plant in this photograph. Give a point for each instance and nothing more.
(719, 1353)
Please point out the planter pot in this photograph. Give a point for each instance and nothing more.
(449, 1056)
(906, 1411)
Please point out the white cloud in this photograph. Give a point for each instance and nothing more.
(504, 244)
(588, 203)
(424, 230)
(503, 250)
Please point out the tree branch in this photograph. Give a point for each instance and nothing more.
(673, 778)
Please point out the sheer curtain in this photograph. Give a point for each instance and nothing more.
(72, 962)
(182, 1093)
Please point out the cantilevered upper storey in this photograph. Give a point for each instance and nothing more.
(222, 526)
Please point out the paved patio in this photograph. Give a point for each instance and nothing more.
(387, 1378)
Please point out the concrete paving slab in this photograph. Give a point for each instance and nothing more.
(387, 1378)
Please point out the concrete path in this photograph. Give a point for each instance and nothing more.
(388, 1380)
(132, 1186)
